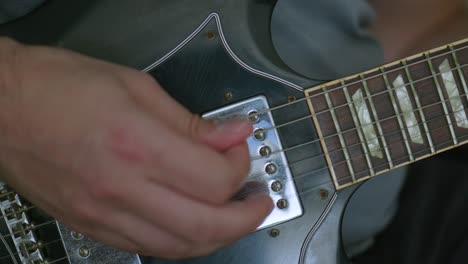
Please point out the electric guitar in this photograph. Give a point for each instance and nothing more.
(311, 147)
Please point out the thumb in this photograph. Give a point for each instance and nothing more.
(218, 135)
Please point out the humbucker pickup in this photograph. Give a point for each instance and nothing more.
(269, 170)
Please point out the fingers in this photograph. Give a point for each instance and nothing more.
(221, 136)
(150, 149)
(196, 222)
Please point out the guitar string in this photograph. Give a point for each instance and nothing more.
(356, 128)
(288, 166)
(304, 144)
(359, 144)
(307, 117)
(400, 130)
(453, 51)
(289, 196)
(347, 85)
(57, 260)
(29, 229)
(43, 245)
(384, 166)
(292, 164)
(10, 252)
(366, 79)
(300, 176)
(332, 135)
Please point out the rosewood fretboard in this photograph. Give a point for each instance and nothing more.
(391, 116)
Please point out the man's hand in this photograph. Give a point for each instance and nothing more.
(107, 152)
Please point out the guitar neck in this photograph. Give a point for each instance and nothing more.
(393, 115)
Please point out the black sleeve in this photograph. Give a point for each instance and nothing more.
(12, 9)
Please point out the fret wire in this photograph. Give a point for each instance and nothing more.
(460, 73)
(379, 127)
(357, 128)
(305, 174)
(356, 82)
(340, 135)
(358, 125)
(463, 142)
(307, 97)
(326, 154)
(321, 138)
(441, 95)
(418, 105)
(397, 111)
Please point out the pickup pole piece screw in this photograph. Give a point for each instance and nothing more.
(323, 194)
(83, 252)
(259, 134)
(265, 151)
(274, 232)
(270, 168)
(276, 186)
(282, 203)
(254, 117)
(76, 235)
(228, 96)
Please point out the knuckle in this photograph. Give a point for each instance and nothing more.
(193, 125)
(84, 212)
(145, 78)
(104, 189)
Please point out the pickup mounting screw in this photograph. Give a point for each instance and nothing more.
(282, 203)
(265, 151)
(211, 35)
(323, 194)
(291, 98)
(83, 252)
(270, 168)
(276, 186)
(274, 232)
(228, 96)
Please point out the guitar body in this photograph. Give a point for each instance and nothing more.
(208, 56)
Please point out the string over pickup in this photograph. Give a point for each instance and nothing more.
(269, 171)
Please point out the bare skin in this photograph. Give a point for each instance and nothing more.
(106, 151)
(407, 27)
(120, 147)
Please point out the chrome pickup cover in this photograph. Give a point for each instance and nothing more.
(269, 167)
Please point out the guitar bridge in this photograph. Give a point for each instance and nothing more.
(269, 170)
